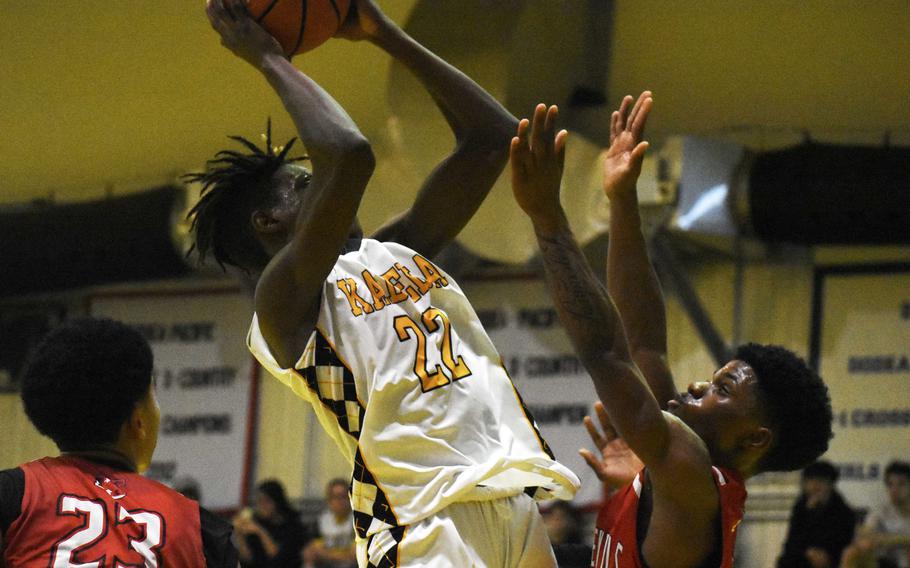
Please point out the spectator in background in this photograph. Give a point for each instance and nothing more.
(271, 534)
(884, 539)
(821, 524)
(564, 526)
(334, 545)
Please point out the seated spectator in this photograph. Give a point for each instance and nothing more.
(334, 545)
(821, 524)
(271, 534)
(564, 526)
(884, 539)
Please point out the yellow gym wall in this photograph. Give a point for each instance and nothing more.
(20, 441)
(101, 95)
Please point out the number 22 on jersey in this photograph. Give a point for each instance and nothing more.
(435, 322)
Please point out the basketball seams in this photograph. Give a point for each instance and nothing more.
(297, 27)
(337, 10)
(265, 12)
(303, 14)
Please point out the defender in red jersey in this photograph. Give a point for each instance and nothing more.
(763, 410)
(623, 520)
(88, 386)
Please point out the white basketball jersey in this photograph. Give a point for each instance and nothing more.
(405, 380)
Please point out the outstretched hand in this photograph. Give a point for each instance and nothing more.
(537, 157)
(623, 159)
(239, 32)
(617, 464)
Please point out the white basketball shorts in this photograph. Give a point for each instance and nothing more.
(502, 533)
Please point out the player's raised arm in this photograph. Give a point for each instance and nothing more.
(631, 279)
(586, 311)
(676, 457)
(342, 163)
(482, 127)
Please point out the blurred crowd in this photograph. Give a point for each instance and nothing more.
(826, 532)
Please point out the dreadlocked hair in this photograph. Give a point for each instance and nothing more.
(233, 185)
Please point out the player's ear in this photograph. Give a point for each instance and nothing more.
(758, 439)
(141, 421)
(137, 423)
(133, 427)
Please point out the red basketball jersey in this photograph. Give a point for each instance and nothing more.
(81, 513)
(615, 536)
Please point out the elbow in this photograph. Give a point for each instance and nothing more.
(346, 146)
(489, 147)
(499, 135)
(353, 146)
(344, 171)
(361, 152)
(356, 159)
(491, 139)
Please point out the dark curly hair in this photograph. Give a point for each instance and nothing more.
(897, 468)
(234, 184)
(797, 403)
(84, 379)
(274, 490)
(821, 470)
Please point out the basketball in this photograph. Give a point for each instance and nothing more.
(299, 25)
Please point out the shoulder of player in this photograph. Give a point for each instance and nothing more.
(686, 502)
(392, 243)
(684, 476)
(399, 233)
(284, 316)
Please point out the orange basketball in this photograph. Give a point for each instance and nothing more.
(299, 25)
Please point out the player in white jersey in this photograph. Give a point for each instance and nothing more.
(384, 345)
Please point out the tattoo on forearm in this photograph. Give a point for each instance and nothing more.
(571, 281)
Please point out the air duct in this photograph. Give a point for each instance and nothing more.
(829, 194)
(811, 194)
(49, 247)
